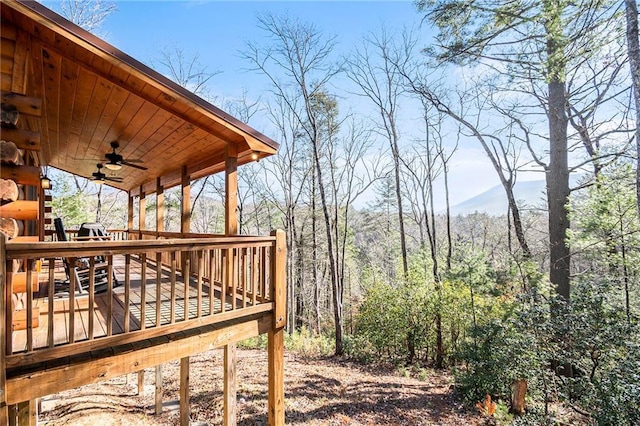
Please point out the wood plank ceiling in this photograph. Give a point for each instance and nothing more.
(94, 94)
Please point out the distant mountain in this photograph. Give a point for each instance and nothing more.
(529, 194)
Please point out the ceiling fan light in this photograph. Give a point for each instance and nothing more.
(98, 181)
(113, 166)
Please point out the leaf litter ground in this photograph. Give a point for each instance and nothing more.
(318, 391)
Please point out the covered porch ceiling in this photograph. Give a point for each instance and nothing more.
(93, 94)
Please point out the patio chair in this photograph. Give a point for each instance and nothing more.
(80, 267)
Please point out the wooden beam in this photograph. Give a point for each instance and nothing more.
(19, 319)
(230, 385)
(231, 192)
(26, 175)
(20, 210)
(185, 202)
(184, 391)
(19, 282)
(27, 105)
(4, 412)
(24, 139)
(56, 379)
(275, 349)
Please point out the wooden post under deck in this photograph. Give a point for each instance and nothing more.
(184, 391)
(276, 334)
(185, 227)
(230, 229)
(159, 228)
(142, 220)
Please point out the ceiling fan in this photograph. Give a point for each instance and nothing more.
(116, 161)
(100, 178)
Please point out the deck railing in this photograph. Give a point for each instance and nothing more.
(229, 277)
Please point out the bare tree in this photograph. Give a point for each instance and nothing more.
(370, 67)
(88, 14)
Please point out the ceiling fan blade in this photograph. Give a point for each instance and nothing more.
(126, 163)
(113, 179)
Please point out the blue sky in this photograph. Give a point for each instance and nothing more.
(218, 30)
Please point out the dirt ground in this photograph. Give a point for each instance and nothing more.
(318, 392)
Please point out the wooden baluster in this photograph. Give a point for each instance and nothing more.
(174, 266)
(29, 290)
(127, 291)
(199, 284)
(51, 294)
(224, 282)
(264, 269)
(143, 291)
(72, 302)
(158, 289)
(110, 295)
(185, 279)
(245, 275)
(234, 276)
(92, 288)
(254, 276)
(212, 272)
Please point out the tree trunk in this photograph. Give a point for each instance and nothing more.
(518, 397)
(633, 46)
(557, 177)
(403, 239)
(557, 173)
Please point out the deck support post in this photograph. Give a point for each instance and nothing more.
(185, 203)
(158, 389)
(275, 347)
(28, 413)
(230, 228)
(275, 350)
(129, 214)
(142, 211)
(184, 391)
(142, 220)
(159, 206)
(185, 219)
(230, 384)
(140, 375)
(159, 228)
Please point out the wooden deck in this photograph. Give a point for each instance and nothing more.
(172, 306)
(235, 290)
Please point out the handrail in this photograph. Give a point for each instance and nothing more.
(179, 284)
(47, 249)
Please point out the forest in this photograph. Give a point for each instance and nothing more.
(536, 307)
